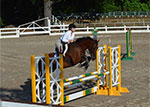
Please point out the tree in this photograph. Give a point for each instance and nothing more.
(135, 5)
(1, 22)
(48, 8)
(110, 6)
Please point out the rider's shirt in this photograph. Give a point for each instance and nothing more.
(95, 31)
(67, 36)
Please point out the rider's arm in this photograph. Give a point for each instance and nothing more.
(65, 37)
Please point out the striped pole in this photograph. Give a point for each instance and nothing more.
(85, 79)
(80, 76)
(80, 94)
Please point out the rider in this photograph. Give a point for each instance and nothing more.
(65, 39)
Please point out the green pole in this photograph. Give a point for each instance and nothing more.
(128, 47)
(127, 43)
(131, 53)
(130, 36)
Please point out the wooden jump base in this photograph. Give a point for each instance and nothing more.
(49, 88)
(129, 46)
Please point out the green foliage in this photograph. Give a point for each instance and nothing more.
(110, 6)
(33, 2)
(135, 5)
(1, 22)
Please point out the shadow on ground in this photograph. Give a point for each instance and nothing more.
(23, 94)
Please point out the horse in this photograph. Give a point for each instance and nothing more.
(77, 52)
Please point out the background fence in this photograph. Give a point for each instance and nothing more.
(55, 30)
(54, 27)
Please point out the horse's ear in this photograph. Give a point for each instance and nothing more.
(98, 40)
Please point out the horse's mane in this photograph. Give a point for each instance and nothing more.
(83, 39)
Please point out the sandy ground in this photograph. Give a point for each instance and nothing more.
(15, 76)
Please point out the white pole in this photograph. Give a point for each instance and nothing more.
(17, 32)
(125, 28)
(33, 26)
(87, 28)
(106, 28)
(49, 26)
(147, 27)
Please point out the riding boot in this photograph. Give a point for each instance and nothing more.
(57, 51)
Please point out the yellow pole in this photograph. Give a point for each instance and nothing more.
(47, 74)
(119, 67)
(97, 63)
(128, 43)
(105, 62)
(110, 67)
(33, 79)
(61, 81)
(120, 89)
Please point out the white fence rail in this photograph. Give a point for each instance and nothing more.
(54, 30)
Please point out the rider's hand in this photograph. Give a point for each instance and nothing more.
(70, 41)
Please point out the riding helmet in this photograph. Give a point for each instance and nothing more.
(72, 26)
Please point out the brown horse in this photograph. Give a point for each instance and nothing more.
(77, 52)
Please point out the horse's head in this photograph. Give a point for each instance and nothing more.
(90, 44)
(93, 49)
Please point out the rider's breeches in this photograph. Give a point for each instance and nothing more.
(66, 48)
(59, 45)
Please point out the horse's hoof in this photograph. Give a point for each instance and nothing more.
(86, 67)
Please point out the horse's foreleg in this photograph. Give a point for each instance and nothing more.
(86, 63)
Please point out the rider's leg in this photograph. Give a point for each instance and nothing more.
(66, 48)
(59, 48)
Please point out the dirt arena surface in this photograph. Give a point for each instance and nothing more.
(15, 76)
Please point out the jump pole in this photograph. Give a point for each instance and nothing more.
(111, 88)
(33, 82)
(130, 36)
(129, 46)
(102, 90)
